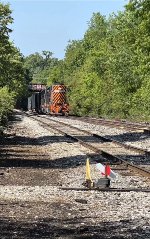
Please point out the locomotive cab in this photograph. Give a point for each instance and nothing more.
(54, 100)
(58, 100)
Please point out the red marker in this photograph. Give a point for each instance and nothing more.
(107, 170)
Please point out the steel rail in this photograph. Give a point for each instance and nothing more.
(115, 124)
(106, 139)
(108, 189)
(103, 153)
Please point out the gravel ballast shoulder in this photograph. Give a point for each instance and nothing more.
(36, 164)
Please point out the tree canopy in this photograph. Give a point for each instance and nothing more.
(107, 72)
(12, 80)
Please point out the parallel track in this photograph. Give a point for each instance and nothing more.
(145, 128)
(108, 150)
(106, 139)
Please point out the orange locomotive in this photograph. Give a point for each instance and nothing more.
(54, 100)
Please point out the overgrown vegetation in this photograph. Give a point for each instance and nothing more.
(12, 77)
(107, 72)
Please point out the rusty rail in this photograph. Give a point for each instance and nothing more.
(103, 153)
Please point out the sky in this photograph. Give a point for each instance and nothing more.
(49, 25)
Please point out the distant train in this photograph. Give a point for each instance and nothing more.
(51, 100)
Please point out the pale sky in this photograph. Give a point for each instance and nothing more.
(49, 25)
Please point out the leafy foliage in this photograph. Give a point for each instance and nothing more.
(12, 80)
(39, 66)
(7, 101)
(107, 72)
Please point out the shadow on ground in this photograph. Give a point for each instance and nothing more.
(129, 137)
(42, 161)
(71, 228)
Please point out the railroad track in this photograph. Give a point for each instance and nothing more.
(42, 191)
(145, 128)
(127, 156)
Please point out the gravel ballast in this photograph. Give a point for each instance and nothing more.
(35, 164)
(134, 138)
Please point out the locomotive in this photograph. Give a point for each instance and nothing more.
(49, 100)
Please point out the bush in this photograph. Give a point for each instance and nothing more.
(7, 101)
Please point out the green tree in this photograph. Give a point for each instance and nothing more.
(39, 66)
(12, 80)
(108, 70)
